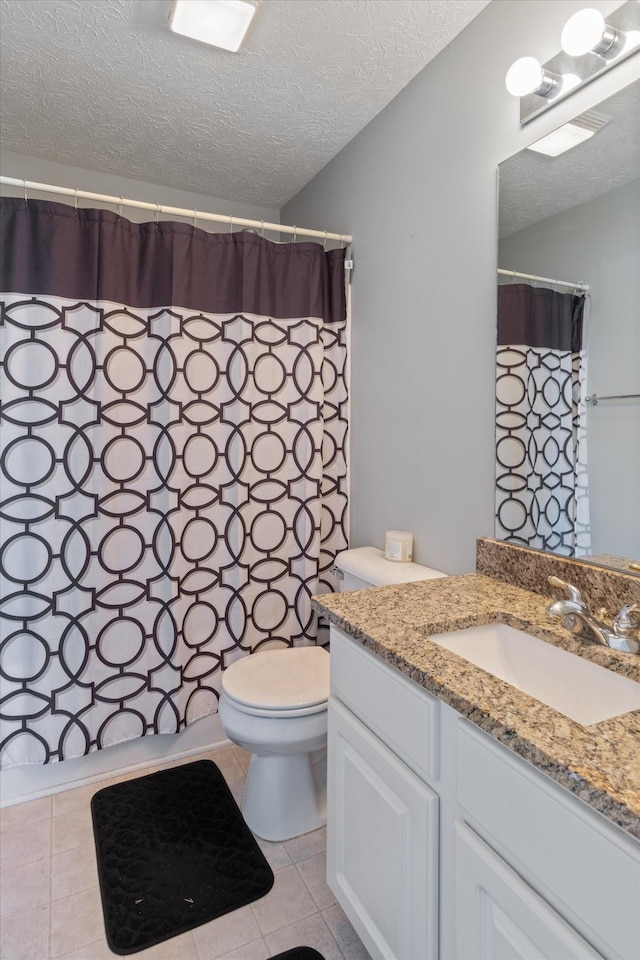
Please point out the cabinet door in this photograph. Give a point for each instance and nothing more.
(382, 843)
(499, 916)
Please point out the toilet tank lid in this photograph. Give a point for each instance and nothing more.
(371, 565)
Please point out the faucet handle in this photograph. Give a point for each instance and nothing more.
(572, 592)
(625, 623)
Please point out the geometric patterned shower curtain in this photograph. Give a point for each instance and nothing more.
(542, 491)
(173, 467)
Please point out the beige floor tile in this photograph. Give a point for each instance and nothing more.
(310, 932)
(71, 830)
(313, 871)
(25, 936)
(161, 765)
(238, 793)
(288, 916)
(242, 756)
(308, 845)
(355, 950)
(258, 950)
(24, 887)
(227, 933)
(71, 800)
(346, 937)
(120, 778)
(288, 901)
(276, 853)
(98, 950)
(25, 844)
(219, 756)
(73, 871)
(176, 948)
(21, 813)
(76, 921)
(234, 775)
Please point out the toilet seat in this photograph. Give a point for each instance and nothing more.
(293, 682)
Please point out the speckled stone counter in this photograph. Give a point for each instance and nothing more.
(599, 763)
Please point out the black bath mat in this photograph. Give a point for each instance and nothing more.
(299, 953)
(173, 852)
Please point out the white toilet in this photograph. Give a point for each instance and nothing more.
(274, 704)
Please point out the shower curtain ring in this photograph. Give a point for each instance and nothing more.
(262, 229)
(26, 199)
(120, 206)
(230, 224)
(325, 240)
(295, 234)
(195, 220)
(75, 203)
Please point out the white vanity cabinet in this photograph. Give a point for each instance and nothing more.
(382, 849)
(443, 843)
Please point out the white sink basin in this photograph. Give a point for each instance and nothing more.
(575, 687)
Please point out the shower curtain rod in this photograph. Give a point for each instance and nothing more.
(159, 208)
(555, 283)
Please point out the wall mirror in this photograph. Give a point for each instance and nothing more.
(575, 218)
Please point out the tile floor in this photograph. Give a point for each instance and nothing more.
(50, 902)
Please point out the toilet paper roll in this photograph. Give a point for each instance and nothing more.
(398, 546)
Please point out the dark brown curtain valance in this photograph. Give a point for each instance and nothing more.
(86, 254)
(539, 317)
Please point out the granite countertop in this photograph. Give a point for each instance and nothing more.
(599, 763)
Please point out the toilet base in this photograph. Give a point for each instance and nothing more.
(286, 796)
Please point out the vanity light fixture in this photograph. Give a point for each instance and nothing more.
(591, 44)
(220, 23)
(588, 32)
(527, 76)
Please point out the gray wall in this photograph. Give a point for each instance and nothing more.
(63, 175)
(599, 243)
(417, 189)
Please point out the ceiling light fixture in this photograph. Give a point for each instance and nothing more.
(559, 141)
(220, 23)
(591, 44)
(570, 134)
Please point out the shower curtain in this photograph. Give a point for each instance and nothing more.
(173, 467)
(542, 496)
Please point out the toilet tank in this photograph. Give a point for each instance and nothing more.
(368, 567)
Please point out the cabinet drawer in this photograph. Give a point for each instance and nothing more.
(400, 713)
(563, 848)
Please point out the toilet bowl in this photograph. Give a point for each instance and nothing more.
(274, 704)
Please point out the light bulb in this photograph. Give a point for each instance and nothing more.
(527, 76)
(586, 31)
(524, 76)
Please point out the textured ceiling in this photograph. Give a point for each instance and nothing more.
(104, 84)
(533, 187)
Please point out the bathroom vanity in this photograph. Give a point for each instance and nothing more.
(465, 818)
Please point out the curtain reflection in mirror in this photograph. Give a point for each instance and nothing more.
(542, 492)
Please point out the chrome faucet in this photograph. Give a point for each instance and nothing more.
(574, 614)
